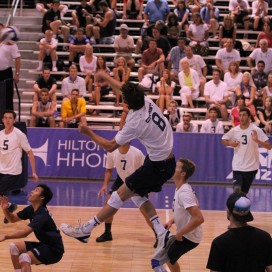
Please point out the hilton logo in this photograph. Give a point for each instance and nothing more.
(41, 152)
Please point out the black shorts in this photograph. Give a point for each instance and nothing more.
(151, 176)
(10, 182)
(105, 90)
(244, 179)
(44, 253)
(116, 185)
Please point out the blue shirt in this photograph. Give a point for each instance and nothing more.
(156, 10)
(175, 56)
(205, 14)
(75, 41)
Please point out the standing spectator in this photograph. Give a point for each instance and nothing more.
(173, 114)
(154, 11)
(259, 13)
(240, 104)
(189, 83)
(48, 49)
(82, 14)
(226, 55)
(245, 139)
(124, 46)
(233, 250)
(260, 79)
(216, 94)
(133, 9)
(182, 13)
(186, 125)
(212, 125)
(267, 90)
(265, 34)
(42, 112)
(265, 116)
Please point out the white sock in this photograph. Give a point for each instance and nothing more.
(54, 63)
(158, 227)
(90, 225)
(9, 204)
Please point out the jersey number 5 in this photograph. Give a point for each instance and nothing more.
(5, 147)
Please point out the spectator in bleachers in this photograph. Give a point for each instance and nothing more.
(152, 61)
(44, 5)
(46, 81)
(48, 51)
(197, 5)
(263, 53)
(216, 94)
(267, 90)
(265, 116)
(173, 29)
(259, 13)
(239, 10)
(77, 46)
(104, 26)
(124, 46)
(73, 81)
(226, 55)
(165, 88)
(182, 12)
(240, 103)
(52, 20)
(174, 57)
(210, 16)
(87, 64)
(227, 30)
(121, 73)
(198, 33)
(189, 83)
(42, 112)
(95, 4)
(73, 111)
(133, 9)
(233, 78)
(260, 79)
(186, 125)
(82, 14)
(197, 63)
(173, 114)
(162, 41)
(265, 34)
(212, 124)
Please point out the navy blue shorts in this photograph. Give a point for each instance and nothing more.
(116, 185)
(244, 179)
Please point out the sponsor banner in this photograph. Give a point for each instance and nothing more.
(65, 153)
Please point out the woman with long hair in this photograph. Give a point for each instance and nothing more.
(265, 116)
(182, 13)
(267, 90)
(265, 34)
(240, 103)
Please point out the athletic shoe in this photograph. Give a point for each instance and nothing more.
(75, 232)
(54, 69)
(163, 240)
(106, 236)
(11, 209)
(159, 269)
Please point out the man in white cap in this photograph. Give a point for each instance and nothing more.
(124, 46)
(242, 247)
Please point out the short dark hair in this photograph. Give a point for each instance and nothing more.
(10, 111)
(261, 61)
(46, 193)
(216, 70)
(103, 3)
(55, 2)
(245, 110)
(188, 167)
(213, 109)
(133, 95)
(75, 90)
(240, 96)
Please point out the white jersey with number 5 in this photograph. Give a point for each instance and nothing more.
(125, 164)
(153, 130)
(246, 155)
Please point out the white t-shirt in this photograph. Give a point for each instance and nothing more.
(233, 4)
(11, 146)
(7, 54)
(216, 92)
(173, 84)
(68, 85)
(255, 8)
(198, 31)
(193, 128)
(185, 198)
(232, 83)
(258, 55)
(125, 164)
(86, 66)
(212, 127)
(150, 126)
(53, 42)
(124, 43)
(196, 62)
(227, 57)
(246, 155)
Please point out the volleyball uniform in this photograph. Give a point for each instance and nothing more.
(212, 127)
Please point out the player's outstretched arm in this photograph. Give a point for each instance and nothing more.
(115, 84)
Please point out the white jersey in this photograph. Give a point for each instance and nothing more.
(11, 146)
(125, 164)
(7, 54)
(185, 198)
(212, 127)
(153, 130)
(246, 155)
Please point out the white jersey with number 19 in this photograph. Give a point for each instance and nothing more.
(153, 130)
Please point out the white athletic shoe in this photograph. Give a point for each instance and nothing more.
(159, 269)
(75, 232)
(54, 69)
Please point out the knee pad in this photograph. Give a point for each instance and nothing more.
(138, 200)
(115, 201)
(24, 258)
(13, 249)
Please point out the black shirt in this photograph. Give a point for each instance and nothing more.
(49, 17)
(46, 84)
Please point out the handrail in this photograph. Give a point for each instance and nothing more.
(13, 9)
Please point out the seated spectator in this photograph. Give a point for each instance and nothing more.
(176, 54)
(216, 94)
(82, 14)
(104, 26)
(265, 34)
(52, 21)
(95, 4)
(210, 16)
(197, 5)
(233, 78)
(48, 48)
(267, 90)
(259, 13)
(197, 63)
(42, 112)
(124, 46)
(198, 33)
(73, 111)
(73, 81)
(133, 9)
(161, 41)
(77, 46)
(152, 61)
(121, 73)
(165, 88)
(87, 64)
(189, 83)
(173, 32)
(182, 12)
(173, 114)
(235, 117)
(46, 81)
(260, 79)
(212, 125)
(227, 30)
(186, 125)
(265, 116)
(44, 5)
(226, 55)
